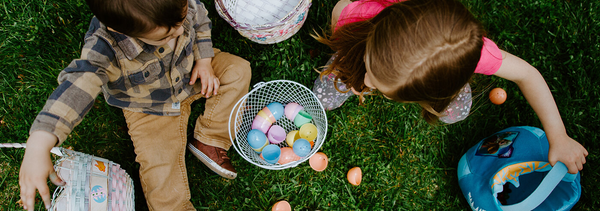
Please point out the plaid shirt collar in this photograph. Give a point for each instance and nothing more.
(132, 47)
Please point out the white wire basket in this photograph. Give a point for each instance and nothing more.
(92, 183)
(263, 93)
(264, 21)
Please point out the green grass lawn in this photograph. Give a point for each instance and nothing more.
(407, 163)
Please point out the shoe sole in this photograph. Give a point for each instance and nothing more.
(211, 164)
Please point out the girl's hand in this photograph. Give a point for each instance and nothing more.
(203, 70)
(36, 168)
(568, 151)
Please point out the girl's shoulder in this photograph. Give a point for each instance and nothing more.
(362, 10)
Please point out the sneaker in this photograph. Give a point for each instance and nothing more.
(325, 91)
(214, 158)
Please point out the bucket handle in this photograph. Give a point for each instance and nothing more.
(556, 174)
(55, 150)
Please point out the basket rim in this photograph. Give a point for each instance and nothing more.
(245, 26)
(274, 166)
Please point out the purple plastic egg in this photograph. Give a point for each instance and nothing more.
(261, 124)
(276, 134)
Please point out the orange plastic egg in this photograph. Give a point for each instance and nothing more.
(282, 206)
(318, 161)
(355, 176)
(497, 96)
(287, 155)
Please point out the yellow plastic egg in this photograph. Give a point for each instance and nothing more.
(292, 136)
(308, 131)
(355, 176)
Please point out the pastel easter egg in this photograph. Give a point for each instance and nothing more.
(292, 136)
(281, 206)
(308, 131)
(257, 140)
(302, 118)
(291, 110)
(276, 109)
(98, 193)
(276, 134)
(266, 113)
(318, 161)
(271, 153)
(354, 176)
(288, 155)
(301, 147)
(261, 124)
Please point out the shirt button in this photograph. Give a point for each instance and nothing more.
(146, 74)
(161, 50)
(180, 91)
(177, 79)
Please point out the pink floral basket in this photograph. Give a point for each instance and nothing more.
(264, 21)
(92, 183)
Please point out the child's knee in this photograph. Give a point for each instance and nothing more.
(238, 71)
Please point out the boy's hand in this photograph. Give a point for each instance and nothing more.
(36, 168)
(203, 70)
(568, 151)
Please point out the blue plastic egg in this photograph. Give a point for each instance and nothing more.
(257, 140)
(276, 109)
(271, 153)
(301, 147)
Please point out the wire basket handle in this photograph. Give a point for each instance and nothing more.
(55, 150)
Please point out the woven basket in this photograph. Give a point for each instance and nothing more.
(284, 92)
(92, 183)
(264, 21)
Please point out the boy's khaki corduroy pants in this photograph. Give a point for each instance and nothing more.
(160, 141)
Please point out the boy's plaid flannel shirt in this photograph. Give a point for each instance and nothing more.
(132, 75)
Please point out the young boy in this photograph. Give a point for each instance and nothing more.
(146, 58)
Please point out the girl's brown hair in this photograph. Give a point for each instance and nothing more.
(137, 17)
(421, 51)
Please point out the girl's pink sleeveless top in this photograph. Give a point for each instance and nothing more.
(491, 56)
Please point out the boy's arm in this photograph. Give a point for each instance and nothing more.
(80, 83)
(203, 47)
(36, 167)
(562, 147)
(203, 51)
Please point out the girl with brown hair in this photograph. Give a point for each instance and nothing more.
(426, 51)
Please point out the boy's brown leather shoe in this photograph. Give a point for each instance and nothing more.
(214, 158)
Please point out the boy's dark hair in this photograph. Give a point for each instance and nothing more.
(136, 17)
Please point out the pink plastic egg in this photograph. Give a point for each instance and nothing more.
(287, 155)
(281, 206)
(318, 161)
(276, 134)
(291, 110)
(261, 123)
